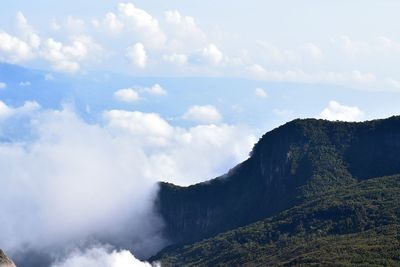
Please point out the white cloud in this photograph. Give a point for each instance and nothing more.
(177, 59)
(3, 85)
(260, 93)
(102, 257)
(212, 54)
(55, 161)
(173, 151)
(67, 58)
(185, 23)
(156, 90)
(204, 114)
(128, 95)
(355, 78)
(8, 111)
(130, 151)
(142, 23)
(113, 23)
(336, 111)
(150, 126)
(13, 49)
(5, 111)
(27, 32)
(185, 34)
(137, 55)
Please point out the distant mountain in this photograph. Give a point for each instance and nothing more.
(309, 193)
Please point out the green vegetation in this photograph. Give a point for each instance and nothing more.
(307, 195)
(354, 225)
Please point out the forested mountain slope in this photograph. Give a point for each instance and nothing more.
(352, 225)
(289, 166)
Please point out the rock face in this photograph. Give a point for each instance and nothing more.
(288, 165)
(5, 261)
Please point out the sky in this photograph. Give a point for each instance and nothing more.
(102, 99)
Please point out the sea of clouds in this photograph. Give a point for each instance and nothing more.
(77, 191)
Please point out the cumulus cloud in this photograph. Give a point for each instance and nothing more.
(150, 126)
(336, 111)
(110, 22)
(8, 111)
(3, 85)
(5, 111)
(128, 95)
(142, 23)
(184, 32)
(131, 95)
(137, 55)
(260, 93)
(13, 49)
(173, 152)
(67, 58)
(185, 23)
(27, 32)
(28, 45)
(204, 114)
(102, 257)
(212, 54)
(156, 90)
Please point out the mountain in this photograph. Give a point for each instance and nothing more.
(309, 188)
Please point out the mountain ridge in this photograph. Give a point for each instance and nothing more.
(290, 165)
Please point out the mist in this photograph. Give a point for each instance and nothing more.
(69, 185)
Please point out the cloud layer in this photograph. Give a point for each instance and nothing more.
(84, 182)
(101, 256)
(129, 38)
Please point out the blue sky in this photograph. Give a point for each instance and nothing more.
(348, 50)
(338, 42)
(253, 64)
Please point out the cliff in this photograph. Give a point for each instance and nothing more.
(291, 164)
